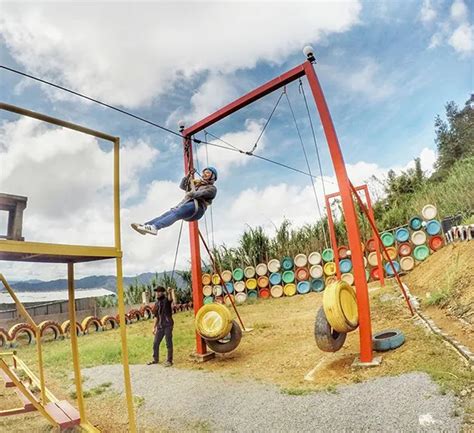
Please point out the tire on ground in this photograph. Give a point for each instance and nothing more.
(91, 321)
(327, 339)
(109, 322)
(387, 340)
(147, 312)
(127, 319)
(53, 326)
(213, 321)
(134, 315)
(4, 338)
(19, 329)
(219, 346)
(340, 307)
(67, 325)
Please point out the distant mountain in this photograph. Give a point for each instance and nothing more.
(94, 282)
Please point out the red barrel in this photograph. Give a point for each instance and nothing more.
(404, 249)
(219, 299)
(302, 274)
(264, 293)
(436, 242)
(370, 245)
(374, 273)
(342, 251)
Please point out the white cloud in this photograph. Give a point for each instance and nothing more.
(462, 39)
(459, 11)
(428, 12)
(130, 53)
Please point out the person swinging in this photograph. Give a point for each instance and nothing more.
(199, 195)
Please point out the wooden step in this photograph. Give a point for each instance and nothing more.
(63, 413)
(8, 382)
(27, 405)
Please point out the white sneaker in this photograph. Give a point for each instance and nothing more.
(143, 229)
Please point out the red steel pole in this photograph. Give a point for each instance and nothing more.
(362, 292)
(332, 236)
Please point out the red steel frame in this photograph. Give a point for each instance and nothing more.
(332, 232)
(305, 69)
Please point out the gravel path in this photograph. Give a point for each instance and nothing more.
(185, 400)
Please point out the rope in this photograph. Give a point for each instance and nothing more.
(309, 169)
(211, 212)
(177, 249)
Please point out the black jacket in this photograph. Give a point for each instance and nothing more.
(204, 192)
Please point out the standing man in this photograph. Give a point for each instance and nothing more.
(163, 324)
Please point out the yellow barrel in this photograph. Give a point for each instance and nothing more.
(289, 289)
(340, 307)
(372, 259)
(330, 280)
(207, 290)
(273, 265)
(206, 279)
(348, 278)
(261, 269)
(251, 283)
(276, 291)
(216, 279)
(407, 263)
(226, 276)
(239, 286)
(301, 260)
(330, 268)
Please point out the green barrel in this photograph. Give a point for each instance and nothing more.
(288, 277)
(387, 239)
(328, 255)
(287, 263)
(238, 274)
(421, 252)
(208, 300)
(252, 294)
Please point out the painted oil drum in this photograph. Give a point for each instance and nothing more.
(229, 287)
(433, 227)
(372, 258)
(421, 252)
(261, 269)
(367, 275)
(249, 272)
(365, 261)
(206, 279)
(348, 278)
(226, 276)
(216, 279)
(303, 287)
(207, 290)
(436, 242)
(264, 293)
(317, 284)
(251, 283)
(302, 274)
(375, 274)
(288, 277)
(331, 280)
(387, 239)
(362, 247)
(345, 265)
(429, 212)
(418, 237)
(219, 300)
(330, 269)
(289, 289)
(370, 245)
(301, 260)
(276, 291)
(217, 290)
(208, 300)
(328, 255)
(404, 249)
(316, 271)
(407, 263)
(262, 281)
(228, 298)
(342, 251)
(287, 263)
(252, 294)
(238, 274)
(275, 278)
(389, 270)
(239, 286)
(274, 265)
(240, 298)
(415, 223)
(314, 258)
(402, 234)
(391, 252)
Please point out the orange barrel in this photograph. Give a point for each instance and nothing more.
(240, 297)
(239, 286)
(249, 272)
(316, 271)
(264, 293)
(302, 274)
(392, 253)
(407, 263)
(206, 279)
(276, 291)
(216, 279)
(219, 300)
(273, 265)
(330, 280)
(348, 278)
(227, 276)
(370, 245)
(289, 289)
(372, 259)
(227, 299)
(330, 269)
(207, 290)
(262, 282)
(342, 251)
(436, 242)
(217, 290)
(404, 249)
(418, 237)
(261, 269)
(301, 260)
(251, 284)
(314, 258)
(362, 246)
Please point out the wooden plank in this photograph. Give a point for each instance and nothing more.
(8, 382)
(58, 415)
(69, 410)
(26, 403)
(16, 411)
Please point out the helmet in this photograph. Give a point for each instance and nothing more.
(213, 171)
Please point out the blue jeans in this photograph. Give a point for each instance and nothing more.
(183, 212)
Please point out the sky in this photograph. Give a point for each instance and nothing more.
(387, 68)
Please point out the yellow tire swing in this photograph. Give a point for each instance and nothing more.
(337, 316)
(215, 325)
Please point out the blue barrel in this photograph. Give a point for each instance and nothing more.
(287, 263)
(402, 235)
(389, 270)
(317, 284)
(433, 227)
(345, 265)
(252, 294)
(208, 300)
(415, 223)
(230, 287)
(303, 287)
(275, 278)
